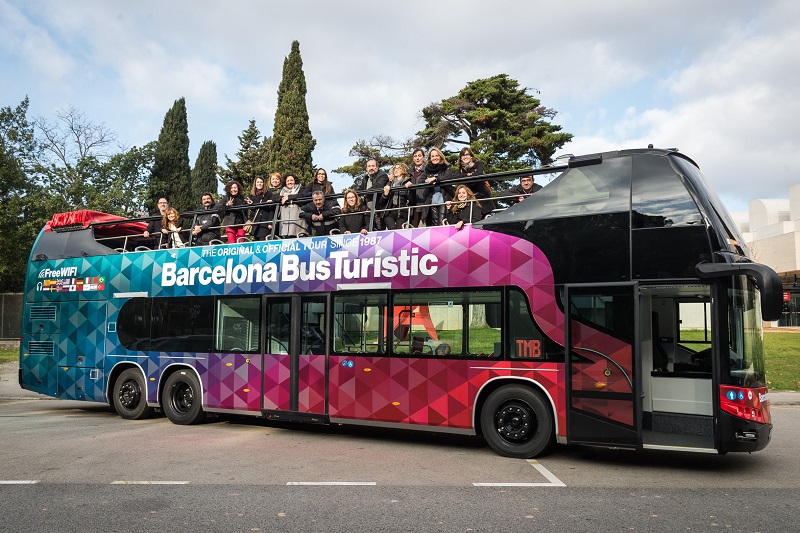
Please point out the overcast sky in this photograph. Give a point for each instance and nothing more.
(717, 79)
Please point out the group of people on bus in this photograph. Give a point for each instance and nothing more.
(442, 196)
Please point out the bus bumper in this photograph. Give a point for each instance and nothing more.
(739, 435)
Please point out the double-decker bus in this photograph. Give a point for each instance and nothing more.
(615, 307)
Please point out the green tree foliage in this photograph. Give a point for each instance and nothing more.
(204, 173)
(292, 143)
(80, 171)
(384, 149)
(22, 210)
(253, 157)
(121, 182)
(171, 174)
(49, 167)
(506, 127)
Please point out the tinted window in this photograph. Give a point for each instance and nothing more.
(133, 324)
(658, 195)
(358, 323)
(593, 189)
(182, 324)
(313, 329)
(238, 325)
(446, 324)
(279, 320)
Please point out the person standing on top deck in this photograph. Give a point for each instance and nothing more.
(464, 209)
(355, 215)
(416, 170)
(373, 179)
(154, 226)
(469, 166)
(261, 199)
(322, 184)
(318, 215)
(436, 174)
(291, 225)
(233, 220)
(396, 197)
(171, 228)
(526, 187)
(207, 224)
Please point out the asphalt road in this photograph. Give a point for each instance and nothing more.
(73, 466)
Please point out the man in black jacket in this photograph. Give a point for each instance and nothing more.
(525, 188)
(154, 226)
(319, 215)
(373, 179)
(207, 223)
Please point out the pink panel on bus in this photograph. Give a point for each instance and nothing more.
(311, 386)
(233, 381)
(276, 382)
(429, 392)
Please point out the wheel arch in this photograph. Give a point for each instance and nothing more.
(495, 383)
(114, 374)
(176, 367)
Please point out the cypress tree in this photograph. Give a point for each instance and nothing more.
(204, 173)
(171, 174)
(292, 143)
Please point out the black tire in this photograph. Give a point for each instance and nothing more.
(182, 400)
(130, 396)
(517, 422)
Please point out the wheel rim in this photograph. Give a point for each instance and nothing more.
(516, 422)
(182, 398)
(130, 394)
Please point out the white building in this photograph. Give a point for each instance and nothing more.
(771, 229)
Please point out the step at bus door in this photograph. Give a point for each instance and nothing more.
(603, 400)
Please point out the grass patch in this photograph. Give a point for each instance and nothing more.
(782, 358)
(8, 354)
(782, 354)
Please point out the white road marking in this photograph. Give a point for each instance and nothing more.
(332, 483)
(149, 482)
(553, 480)
(18, 481)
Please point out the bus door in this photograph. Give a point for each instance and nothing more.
(295, 357)
(603, 388)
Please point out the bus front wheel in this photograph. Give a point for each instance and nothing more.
(183, 398)
(516, 422)
(130, 396)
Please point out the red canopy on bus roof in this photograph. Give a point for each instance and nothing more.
(85, 217)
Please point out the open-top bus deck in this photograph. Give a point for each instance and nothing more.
(618, 306)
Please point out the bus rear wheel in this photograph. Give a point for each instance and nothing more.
(516, 422)
(130, 396)
(183, 398)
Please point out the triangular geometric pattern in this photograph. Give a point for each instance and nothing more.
(429, 392)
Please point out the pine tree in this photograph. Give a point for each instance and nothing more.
(204, 173)
(253, 154)
(292, 143)
(506, 127)
(171, 174)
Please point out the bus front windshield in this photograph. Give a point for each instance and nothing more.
(746, 339)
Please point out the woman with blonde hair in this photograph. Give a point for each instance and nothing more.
(437, 171)
(171, 227)
(464, 208)
(396, 197)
